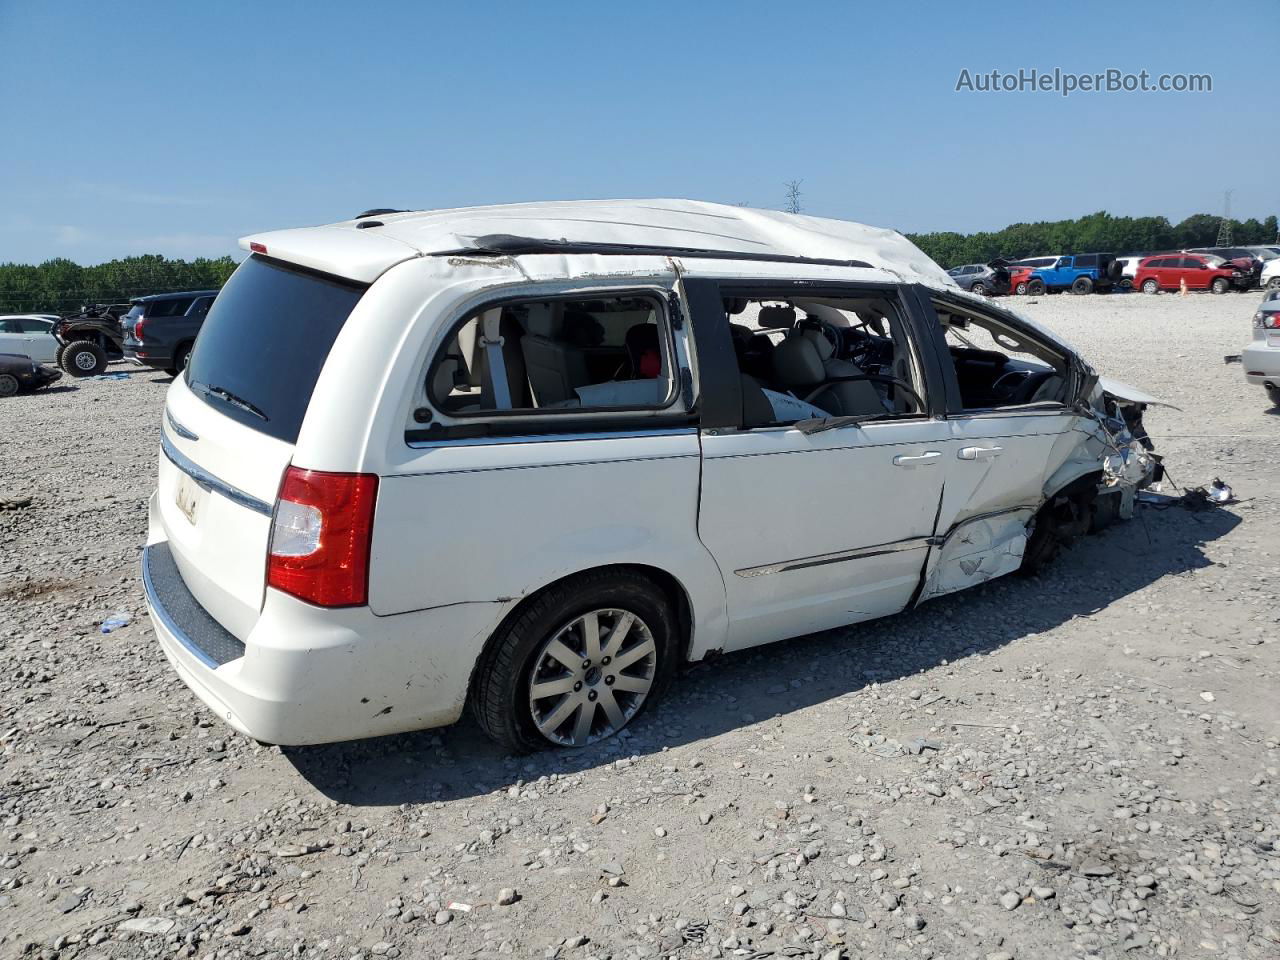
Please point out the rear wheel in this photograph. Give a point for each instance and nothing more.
(1035, 288)
(577, 664)
(979, 289)
(1082, 285)
(82, 358)
(1150, 286)
(1273, 394)
(1220, 285)
(8, 385)
(181, 357)
(1021, 288)
(1273, 283)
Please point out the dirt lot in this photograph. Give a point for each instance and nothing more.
(1080, 764)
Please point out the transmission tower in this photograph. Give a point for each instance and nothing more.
(1224, 229)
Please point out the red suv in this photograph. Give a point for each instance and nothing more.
(1202, 271)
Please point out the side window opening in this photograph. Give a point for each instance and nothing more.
(553, 355)
(997, 366)
(819, 358)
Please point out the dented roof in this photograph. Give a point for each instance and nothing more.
(362, 250)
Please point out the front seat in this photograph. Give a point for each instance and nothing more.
(553, 364)
(797, 365)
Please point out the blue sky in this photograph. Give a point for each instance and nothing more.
(175, 128)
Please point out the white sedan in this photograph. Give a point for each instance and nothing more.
(1261, 357)
(30, 335)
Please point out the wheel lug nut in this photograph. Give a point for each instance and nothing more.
(586, 664)
(577, 686)
(608, 680)
(606, 660)
(592, 695)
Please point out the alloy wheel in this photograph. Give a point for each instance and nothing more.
(591, 676)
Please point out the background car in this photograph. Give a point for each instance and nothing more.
(159, 330)
(30, 335)
(1200, 272)
(1270, 276)
(18, 373)
(1261, 357)
(1080, 273)
(982, 278)
(1246, 260)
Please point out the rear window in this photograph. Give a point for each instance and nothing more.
(261, 350)
(167, 308)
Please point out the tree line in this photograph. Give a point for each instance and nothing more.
(1095, 233)
(62, 286)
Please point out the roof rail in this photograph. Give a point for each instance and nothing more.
(377, 212)
(510, 245)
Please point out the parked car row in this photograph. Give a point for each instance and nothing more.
(155, 331)
(1217, 269)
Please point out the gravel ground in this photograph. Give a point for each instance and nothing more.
(1082, 764)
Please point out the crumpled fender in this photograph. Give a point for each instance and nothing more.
(1124, 391)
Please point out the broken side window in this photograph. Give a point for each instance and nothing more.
(812, 359)
(997, 366)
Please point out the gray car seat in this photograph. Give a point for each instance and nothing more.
(797, 365)
(554, 364)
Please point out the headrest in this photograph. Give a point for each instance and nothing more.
(825, 347)
(796, 363)
(642, 336)
(741, 334)
(543, 320)
(582, 329)
(735, 305)
(777, 318)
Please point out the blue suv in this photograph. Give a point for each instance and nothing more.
(1080, 273)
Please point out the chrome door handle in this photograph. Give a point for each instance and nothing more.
(979, 453)
(902, 460)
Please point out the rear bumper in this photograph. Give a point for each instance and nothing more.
(1261, 364)
(306, 675)
(148, 360)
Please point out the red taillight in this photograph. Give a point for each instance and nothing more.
(256, 247)
(1271, 321)
(321, 534)
(137, 327)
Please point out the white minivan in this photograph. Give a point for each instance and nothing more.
(535, 457)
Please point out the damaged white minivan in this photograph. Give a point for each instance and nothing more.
(535, 457)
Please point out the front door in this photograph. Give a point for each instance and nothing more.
(1009, 440)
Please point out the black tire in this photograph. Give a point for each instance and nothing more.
(1220, 285)
(1150, 287)
(1020, 289)
(83, 358)
(1273, 394)
(180, 358)
(1035, 288)
(979, 288)
(1273, 283)
(9, 385)
(1081, 286)
(499, 691)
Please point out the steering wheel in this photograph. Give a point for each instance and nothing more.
(874, 378)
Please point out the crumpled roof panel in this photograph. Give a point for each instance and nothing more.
(664, 224)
